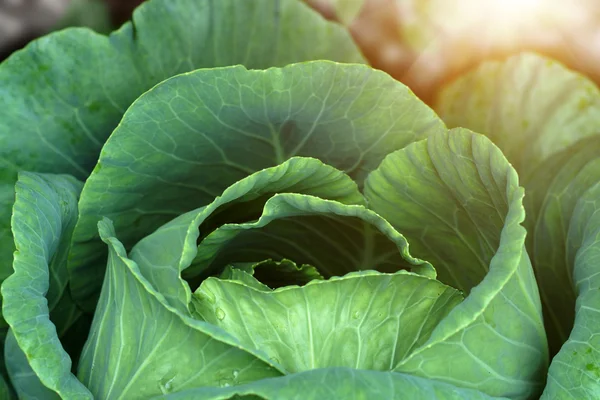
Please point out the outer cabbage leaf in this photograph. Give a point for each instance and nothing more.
(334, 384)
(185, 141)
(457, 200)
(140, 347)
(21, 376)
(35, 306)
(66, 92)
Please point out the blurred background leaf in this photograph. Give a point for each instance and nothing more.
(93, 14)
(427, 43)
(24, 20)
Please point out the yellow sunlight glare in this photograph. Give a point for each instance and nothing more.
(498, 20)
(459, 33)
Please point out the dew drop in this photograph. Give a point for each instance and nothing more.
(224, 383)
(166, 387)
(236, 375)
(275, 360)
(220, 314)
(355, 315)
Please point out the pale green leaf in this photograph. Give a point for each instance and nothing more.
(458, 202)
(363, 320)
(140, 347)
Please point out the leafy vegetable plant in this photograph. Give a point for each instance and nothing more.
(217, 201)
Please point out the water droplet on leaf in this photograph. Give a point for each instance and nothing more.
(166, 386)
(220, 314)
(224, 383)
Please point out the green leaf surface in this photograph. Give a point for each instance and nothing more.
(66, 92)
(567, 223)
(575, 370)
(43, 219)
(336, 384)
(555, 188)
(243, 276)
(140, 347)
(530, 106)
(24, 379)
(458, 202)
(363, 320)
(185, 141)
